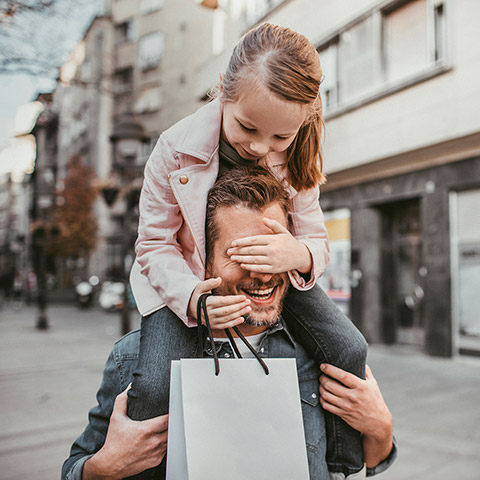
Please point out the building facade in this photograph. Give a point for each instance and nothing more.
(402, 152)
(401, 149)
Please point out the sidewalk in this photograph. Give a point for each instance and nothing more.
(48, 381)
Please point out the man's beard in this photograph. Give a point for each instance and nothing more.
(261, 316)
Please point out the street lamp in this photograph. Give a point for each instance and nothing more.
(128, 139)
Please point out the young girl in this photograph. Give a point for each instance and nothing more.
(268, 112)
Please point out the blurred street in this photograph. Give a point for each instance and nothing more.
(48, 381)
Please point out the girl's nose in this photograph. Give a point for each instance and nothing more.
(259, 148)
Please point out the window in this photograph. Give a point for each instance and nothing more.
(257, 9)
(151, 50)
(405, 40)
(328, 88)
(123, 81)
(126, 31)
(381, 50)
(218, 31)
(150, 100)
(149, 6)
(440, 35)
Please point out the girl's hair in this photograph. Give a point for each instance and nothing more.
(287, 64)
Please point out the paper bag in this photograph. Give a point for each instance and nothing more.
(241, 424)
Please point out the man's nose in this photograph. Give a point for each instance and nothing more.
(264, 277)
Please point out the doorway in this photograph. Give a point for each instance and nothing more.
(402, 274)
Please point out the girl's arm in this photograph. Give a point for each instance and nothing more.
(158, 251)
(161, 257)
(302, 251)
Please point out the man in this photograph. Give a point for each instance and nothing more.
(114, 447)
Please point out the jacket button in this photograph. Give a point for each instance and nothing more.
(183, 179)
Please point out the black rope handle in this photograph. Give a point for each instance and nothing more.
(255, 353)
(233, 343)
(202, 307)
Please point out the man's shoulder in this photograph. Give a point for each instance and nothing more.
(128, 346)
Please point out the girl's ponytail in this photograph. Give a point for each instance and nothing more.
(304, 155)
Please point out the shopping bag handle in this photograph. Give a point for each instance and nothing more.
(202, 307)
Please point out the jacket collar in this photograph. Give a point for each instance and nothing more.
(202, 135)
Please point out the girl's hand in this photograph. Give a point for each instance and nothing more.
(223, 311)
(277, 252)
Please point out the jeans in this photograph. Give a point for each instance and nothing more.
(329, 336)
(311, 316)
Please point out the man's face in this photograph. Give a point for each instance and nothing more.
(265, 291)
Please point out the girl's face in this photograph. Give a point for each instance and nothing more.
(259, 123)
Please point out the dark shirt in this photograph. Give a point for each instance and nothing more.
(229, 158)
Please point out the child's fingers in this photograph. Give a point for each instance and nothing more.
(256, 240)
(250, 259)
(274, 226)
(261, 268)
(232, 323)
(229, 312)
(218, 301)
(208, 285)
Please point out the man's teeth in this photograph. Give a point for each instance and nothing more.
(265, 293)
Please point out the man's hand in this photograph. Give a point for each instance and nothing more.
(223, 311)
(360, 404)
(277, 252)
(130, 446)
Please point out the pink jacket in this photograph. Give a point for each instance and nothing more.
(170, 247)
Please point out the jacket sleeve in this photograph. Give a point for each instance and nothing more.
(157, 248)
(307, 225)
(93, 437)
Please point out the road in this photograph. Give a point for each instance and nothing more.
(49, 378)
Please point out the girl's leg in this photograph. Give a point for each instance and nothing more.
(330, 337)
(164, 337)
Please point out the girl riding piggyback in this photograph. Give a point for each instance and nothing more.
(267, 112)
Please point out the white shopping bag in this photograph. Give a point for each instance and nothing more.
(241, 424)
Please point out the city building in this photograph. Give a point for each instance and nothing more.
(401, 151)
(401, 148)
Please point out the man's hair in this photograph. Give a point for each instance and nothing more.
(254, 188)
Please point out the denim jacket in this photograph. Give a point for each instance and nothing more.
(277, 343)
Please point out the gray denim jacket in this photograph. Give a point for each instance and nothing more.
(277, 343)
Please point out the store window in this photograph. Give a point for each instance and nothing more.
(336, 280)
(465, 249)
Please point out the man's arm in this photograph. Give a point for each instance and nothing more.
(359, 403)
(107, 420)
(130, 446)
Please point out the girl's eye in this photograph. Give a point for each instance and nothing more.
(246, 128)
(281, 138)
